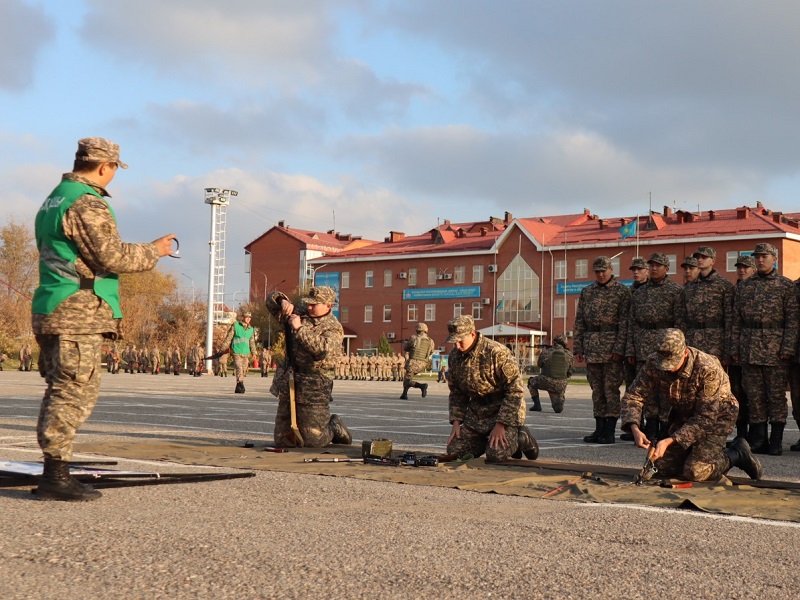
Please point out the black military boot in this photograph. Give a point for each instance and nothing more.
(557, 403)
(537, 405)
(526, 444)
(609, 429)
(757, 438)
(741, 456)
(598, 429)
(57, 484)
(796, 447)
(341, 434)
(404, 395)
(424, 388)
(239, 388)
(776, 439)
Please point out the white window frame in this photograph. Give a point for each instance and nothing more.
(559, 308)
(560, 269)
(344, 314)
(387, 278)
(412, 276)
(431, 275)
(458, 309)
(673, 264)
(477, 310)
(369, 278)
(430, 312)
(412, 313)
(387, 313)
(345, 280)
(581, 268)
(477, 273)
(368, 313)
(459, 276)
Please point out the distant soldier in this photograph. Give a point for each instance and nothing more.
(155, 360)
(265, 360)
(3, 358)
(601, 330)
(652, 311)
(763, 341)
(556, 364)
(419, 349)
(691, 269)
(144, 360)
(241, 341)
(745, 267)
(640, 274)
(191, 360)
(353, 366)
(704, 311)
(199, 354)
(25, 357)
(175, 359)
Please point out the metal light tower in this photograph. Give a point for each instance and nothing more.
(219, 200)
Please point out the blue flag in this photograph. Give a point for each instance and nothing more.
(628, 230)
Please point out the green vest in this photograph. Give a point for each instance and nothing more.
(422, 348)
(58, 278)
(241, 338)
(557, 366)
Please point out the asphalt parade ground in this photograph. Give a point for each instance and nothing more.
(284, 535)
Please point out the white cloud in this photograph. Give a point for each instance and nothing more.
(24, 32)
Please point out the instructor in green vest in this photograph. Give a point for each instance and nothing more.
(242, 344)
(556, 364)
(76, 308)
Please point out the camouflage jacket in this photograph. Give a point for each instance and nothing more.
(91, 226)
(652, 309)
(699, 397)
(547, 354)
(485, 386)
(601, 321)
(765, 319)
(704, 312)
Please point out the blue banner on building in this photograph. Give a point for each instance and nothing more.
(473, 291)
(332, 280)
(575, 287)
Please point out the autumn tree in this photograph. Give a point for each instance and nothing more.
(19, 276)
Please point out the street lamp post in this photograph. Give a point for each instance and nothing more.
(234, 298)
(192, 280)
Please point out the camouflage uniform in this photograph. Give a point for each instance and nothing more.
(71, 337)
(485, 389)
(629, 369)
(735, 369)
(704, 312)
(316, 346)
(419, 349)
(155, 360)
(766, 318)
(25, 357)
(556, 387)
(702, 411)
(175, 359)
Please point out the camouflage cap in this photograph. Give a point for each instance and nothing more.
(670, 349)
(601, 263)
(690, 261)
(705, 251)
(746, 260)
(638, 263)
(320, 294)
(459, 328)
(100, 150)
(422, 328)
(246, 313)
(560, 340)
(765, 248)
(658, 258)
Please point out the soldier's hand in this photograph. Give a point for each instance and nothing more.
(639, 438)
(164, 245)
(631, 360)
(616, 358)
(661, 447)
(295, 322)
(786, 356)
(455, 432)
(497, 438)
(287, 308)
(579, 357)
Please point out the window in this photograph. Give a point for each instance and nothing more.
(368, 314)
(582, 268)
(458, 309)
(477, 273)
(430, 313)
(673, 264)
(560, 308)
(387, 313)
(458, 275)
(517, 293)
(431, 275)
(615, 266)
(412, 314)
(344, 314)
(560, 269)
(477, 311)
(369, 279)
(412, 276)
(345, 279)
(387, 278)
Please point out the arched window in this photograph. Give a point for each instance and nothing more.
(518, 293)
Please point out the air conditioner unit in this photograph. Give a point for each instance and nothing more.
(403, 275)
(492, 268)
(390, 336)
(440, 276)
(487, 301)
(569, 333)
(448, 275)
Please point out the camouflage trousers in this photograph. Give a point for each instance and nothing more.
(313, 393)
(70, 366)
(629, 371)
(737, 387)
(794, 389)
(705, 460)
(413, 367)
(475, 443)
(555, 388)
(766, 391)
(605, 380)
(241, 365)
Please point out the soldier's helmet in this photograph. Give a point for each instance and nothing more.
(670, 349)
(422, 328)
(560, 340)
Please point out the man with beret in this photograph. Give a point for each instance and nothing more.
(313, 346)
(556, 368)
(652, 311)
(691, 269)
(418, 350)
(601, 329)
(76, 308)
(487, 404)
(745, 267)
(241, 341)
(702, 412)
(764, 341)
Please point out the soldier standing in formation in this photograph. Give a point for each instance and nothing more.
(703, 410)
(155, 360)
(487, 404)
(601, 329)
(745, 267)
(763, 341)
(76, 307)
(241, 341)
(556, 368)
(314, 345)
(691, 269)
(418, 349)
(175, 358)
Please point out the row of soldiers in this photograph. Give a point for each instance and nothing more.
(374, 367)
(750, 327)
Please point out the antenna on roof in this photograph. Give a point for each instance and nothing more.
(334, 220)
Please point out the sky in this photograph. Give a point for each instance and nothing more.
(366, 116)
